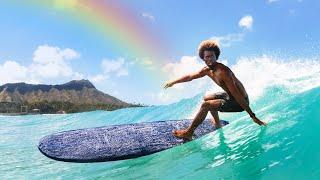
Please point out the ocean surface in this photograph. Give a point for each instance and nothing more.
(284, 94)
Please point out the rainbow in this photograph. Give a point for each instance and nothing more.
(116, 23)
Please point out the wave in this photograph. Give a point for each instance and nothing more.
(285, 94)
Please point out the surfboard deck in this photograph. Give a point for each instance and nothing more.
(117, 142)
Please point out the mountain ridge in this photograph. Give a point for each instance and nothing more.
(76, 92)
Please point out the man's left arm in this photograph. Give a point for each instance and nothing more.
(231, 85)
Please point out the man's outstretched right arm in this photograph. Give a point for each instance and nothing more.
(187, 78)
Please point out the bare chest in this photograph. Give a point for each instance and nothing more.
(216, 77)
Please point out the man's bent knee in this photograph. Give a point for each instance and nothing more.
(209, 97)
(205, 105)
(208, 106)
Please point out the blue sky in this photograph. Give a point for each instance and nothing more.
(39, 45)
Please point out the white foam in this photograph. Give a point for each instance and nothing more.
(259, 73)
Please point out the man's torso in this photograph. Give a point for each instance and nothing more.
(217, 76)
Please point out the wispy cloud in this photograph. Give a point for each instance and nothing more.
(115, 68)
(229, 39)
(272, 1)
(246, 22)
(98, 78)
(149, 16)
(146, 62)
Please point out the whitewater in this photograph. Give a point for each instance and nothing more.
(283, 92)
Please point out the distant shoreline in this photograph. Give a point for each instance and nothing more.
(45, 107)
(30, 112)
(17, 114)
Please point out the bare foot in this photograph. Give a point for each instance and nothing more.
(183, 134)
(217, 126)
(256, 120)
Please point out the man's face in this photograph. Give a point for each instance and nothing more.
(209, 57)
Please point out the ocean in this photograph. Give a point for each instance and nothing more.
(285, 94)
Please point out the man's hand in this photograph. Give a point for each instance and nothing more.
(169, 84)
(256, 120)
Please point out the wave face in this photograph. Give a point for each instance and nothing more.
(285, 94)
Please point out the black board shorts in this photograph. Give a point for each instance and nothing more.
(228, 103)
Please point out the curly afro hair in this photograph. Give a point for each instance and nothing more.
(209, 45)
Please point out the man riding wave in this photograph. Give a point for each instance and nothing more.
(234, 99)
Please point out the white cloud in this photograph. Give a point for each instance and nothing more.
(69, 54)
(98, 78)
(186, 64)
(47, 54)
(13, 72)
(77, 75)
(118, 67)
(143, 61)
(148, 16)
(147, 62)
(111, 68)
(123, 72)
(228, 39)
(246, 22)
(49, 63)
(50, 70)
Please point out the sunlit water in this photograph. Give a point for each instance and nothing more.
(288, 148)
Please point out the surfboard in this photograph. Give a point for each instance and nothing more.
(117, 142)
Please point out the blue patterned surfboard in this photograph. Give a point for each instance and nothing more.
(117, 142)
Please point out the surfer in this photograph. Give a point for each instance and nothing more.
(234, 99)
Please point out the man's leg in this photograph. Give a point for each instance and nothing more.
(215, 121)
(205, 108)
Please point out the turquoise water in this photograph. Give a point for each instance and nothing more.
(289, 148)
